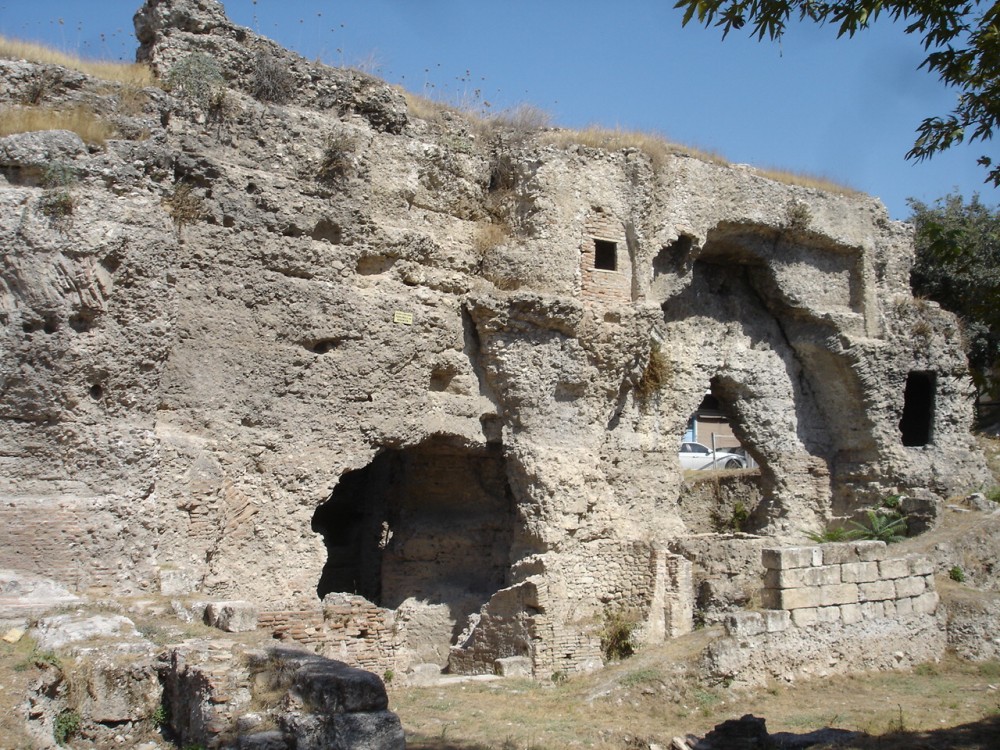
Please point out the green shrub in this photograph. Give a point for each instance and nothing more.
(65, 726)
(832, 534)
(881, 527)
(160, 717)
(272, 81)
(617, 635)
(892, 501)
(956, 574)
(58, 180)
(993, 494)
(196, 77)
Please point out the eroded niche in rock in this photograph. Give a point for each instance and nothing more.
(431, 523)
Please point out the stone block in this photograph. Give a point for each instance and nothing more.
(926, 603)
(871, 551)
(828, 614)
(840, 593)
(775, 621)
(910, 586)
(904, 607)
(894, 568)
(803, 618)
(889, 609)
(838, 553)
(851, 613)
(876, 591)
(800, 598)
(785, 558)
(272, 739)
(512, 666)
(859, 572)
(872, 610)
(233, 616)
(794, 578)
(770, 598)
(920, 565)
(744, 624)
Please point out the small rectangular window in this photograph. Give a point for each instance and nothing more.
(605, 255)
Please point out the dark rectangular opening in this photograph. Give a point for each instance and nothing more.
(605, 255)
(917, 424)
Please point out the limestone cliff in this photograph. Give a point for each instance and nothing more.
(295, 338)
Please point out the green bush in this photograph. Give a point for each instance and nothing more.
(832, 534)
(58, 180)
(617, 635)
(65, 726)
(881, 527)
(272, 81)
(956, 574)
(196, 78)
(892, 501)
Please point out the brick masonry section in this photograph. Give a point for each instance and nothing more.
(598, 285)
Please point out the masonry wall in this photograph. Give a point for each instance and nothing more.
(832, 608)
(600, 285)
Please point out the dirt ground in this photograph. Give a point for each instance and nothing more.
(636, 704)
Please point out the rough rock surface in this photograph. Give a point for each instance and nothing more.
(289, 342)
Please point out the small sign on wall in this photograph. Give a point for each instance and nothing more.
(403, 318)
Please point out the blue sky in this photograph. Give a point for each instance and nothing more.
(843, 109)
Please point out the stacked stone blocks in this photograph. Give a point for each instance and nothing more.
(846, 582)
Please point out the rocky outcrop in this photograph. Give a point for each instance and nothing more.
(289, 336)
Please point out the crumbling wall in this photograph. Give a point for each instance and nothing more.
(832, 608)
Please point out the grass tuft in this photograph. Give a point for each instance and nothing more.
(91, 128)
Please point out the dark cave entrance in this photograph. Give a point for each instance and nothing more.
(917, 423)
(434, 522)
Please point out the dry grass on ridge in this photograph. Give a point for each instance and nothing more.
(129, 74)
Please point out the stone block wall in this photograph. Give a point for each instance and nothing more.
(832, 608)
(846, 582)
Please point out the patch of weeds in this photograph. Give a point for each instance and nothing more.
(337, 161)
(655, 376)
(184, 205)
(798, 216)
(617, 633)
(989, 668)
(65, 726)
(957, 574)
(832, 534)
(882, 527)
(222, 108)
(641, 677)
(559, 677)
(195, 78)
(272, 81)
(737, 520)
(160, 717)
(388, 676)
(993, 494)
(892, 501)
(38, 87)
(58, 180)
(43, 659)
(926, 669)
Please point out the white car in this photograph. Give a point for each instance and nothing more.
(698, 456)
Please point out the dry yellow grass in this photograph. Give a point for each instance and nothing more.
(130, 74)
(805, 180)
(86, 124)
(655, 146)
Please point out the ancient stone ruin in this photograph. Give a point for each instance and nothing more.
(413, 384)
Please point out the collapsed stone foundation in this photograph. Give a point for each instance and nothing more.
(426, 409)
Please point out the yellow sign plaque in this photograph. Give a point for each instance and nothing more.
(402, 317)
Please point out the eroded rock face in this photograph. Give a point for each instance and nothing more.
(265, 309)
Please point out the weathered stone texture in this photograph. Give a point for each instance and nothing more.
(182, 394)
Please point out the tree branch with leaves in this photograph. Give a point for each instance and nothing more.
(962, 41)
